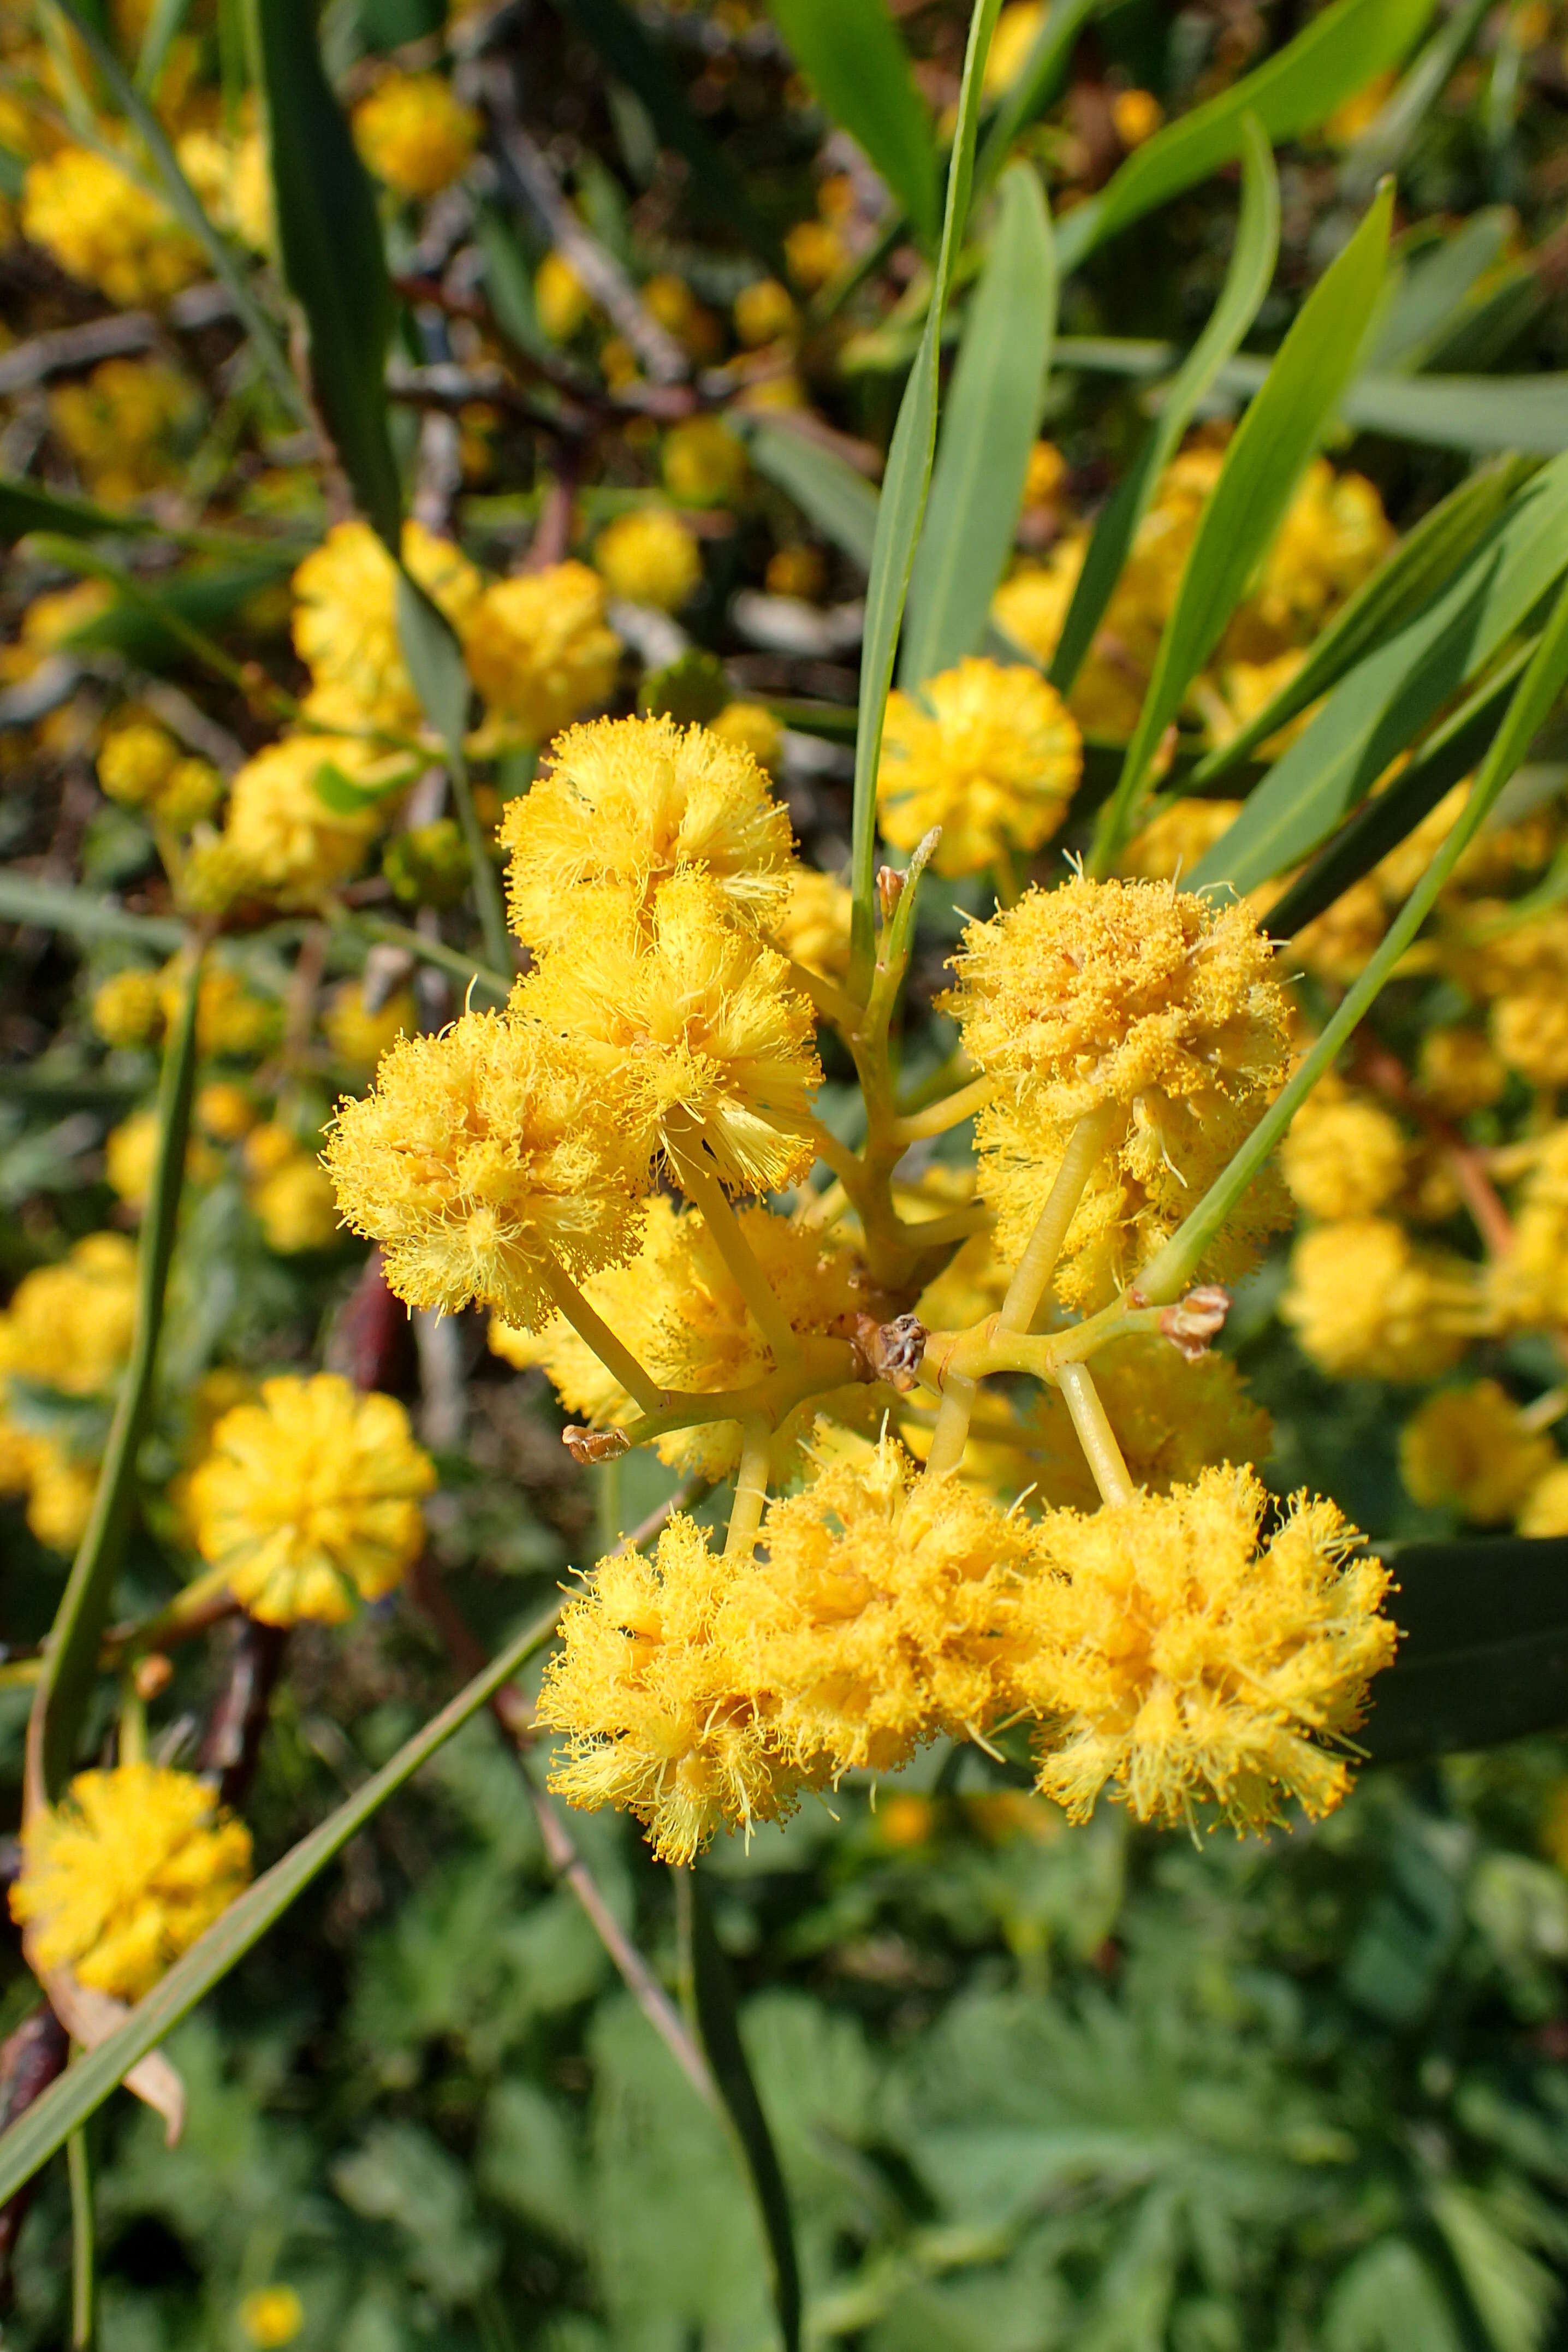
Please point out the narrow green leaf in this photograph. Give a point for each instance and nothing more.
(440, 677)
(1338, 54)
(187, 208)
(1435, 285)
(1274, 440)
(329, 239)
(1527, 413)
(24, 507)
(1382, 823)
(82, 2089)
(1375, 713)
(84, 2247)
(901, 509)
(345, 797)
(1382, 144)
(1531, 704)
(54, 908)
(509, 286)
(1415, 572)
(850, 53)
(70, 1653)
(717, 2019)
(1246, 281)
(164, 22)
(716, 186)
(1037, 85)
(992, 416)
(829, 493)
(1484, 1654)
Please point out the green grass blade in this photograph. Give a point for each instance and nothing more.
(1415, 572)
(850, 53)
(27, 506)
(1037, 85)
(717, 2019)
(1338, 54)
(1382, 144)
(70, 1653)
(992, 419)
(901, 509)
(82, 2089)
(841, 503)
(1534, 700)
(186, 207)
(54, 906)
(1433, 286)
(1378, 710)
(1246, 281)
(1281, 428)
(440, 677)
(329, 239)
(164, 22)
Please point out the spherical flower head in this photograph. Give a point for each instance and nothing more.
(1546, 1508)
(224, 1111)
(752, 727)
(69, 1327)
(813, 929)
(649, 557)
(762, 311)
(345, 622)
(416, 133)
(229, 1019)
(1460, 1072)
(1530, 1032)
(1183, 1661)
(360, 1037)
(643, 1687)
(100, 226)
(232, 179)
(62, 1490)
(291, 844)
(1472, 1449)
(1178, 839)
(126, 1008)
(883, 1616)
(1333, 535)
(1016, 29)
(541, 652)
(191, 794)
(990, 752)
(690, 1032)
(135, 761)
(271, 2315)
(308, 1501)
(625, 804)
(815, 252)
(1529, 1286)
(295, 1206)
(1343, 1158)
(124, 1873)
(1366, 1304)
(676, 1306)
(119, 426)
(560, 298)
(1047, 477)
(704, 463)
(483, 1157)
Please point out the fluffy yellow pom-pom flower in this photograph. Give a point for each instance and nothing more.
(1343, 1158)
(1366, 1304)
(541, 651)
(1529, 1284)
(689, 1032)
(308, 1500)
(69, 1326)
(643, 1686)
(814, 928)
(126, 1008)
(625, 805)
(95, 221)
(989, 752)
(345, 622)
(124, 1873)
(416, 133)
(649, 558)
(290, 842)
(1181, 1659)
(1473, 1448)
(484, 1156)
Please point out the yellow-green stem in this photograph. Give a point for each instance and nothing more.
(612, 1354)
(949, 1112)
(750, 1490)
(1095, 1434)
(131, 1744)
(952, 1431)
(703, 1188)
(1035, 1268)
(84, 2298)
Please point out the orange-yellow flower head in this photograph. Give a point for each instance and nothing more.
(1530, 1284)
(289, 841)
(1187, 1663)
(987, 752)
(308, 1499)
(1344, 1158)
(688, 1034)
(345, 623)
(643, 1686)
(649, 557)
(483, 1158)
(1366, 1304)
(1472, 1448)
(541, 652)
(627, 804)
(100, 226)
(69, 1327)
(416, 133)
(1143, 1001)
(124, 1873)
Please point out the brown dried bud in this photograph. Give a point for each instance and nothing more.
(889, 890)
(1196, 1319)
(593, 1444)
(153, 1675)
(892, 1351)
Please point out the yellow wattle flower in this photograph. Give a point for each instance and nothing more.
(1178, 1657)
(94, 220)
(345, 623)
(308, 1500)
(649, 557)
(813, 929)
(989, 752)
(541, 652)
(124, 1873)
(1366, 1303)
(69, 1327)
(416, 133)
(1471, 1447)
(1529, 1286)
(291, 844)
(1342, 1157)
(623, 805)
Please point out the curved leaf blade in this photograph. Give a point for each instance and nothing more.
(1247, 281)
(1484, 1656)
(842, 503)
(994, 406)
(850, 53)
